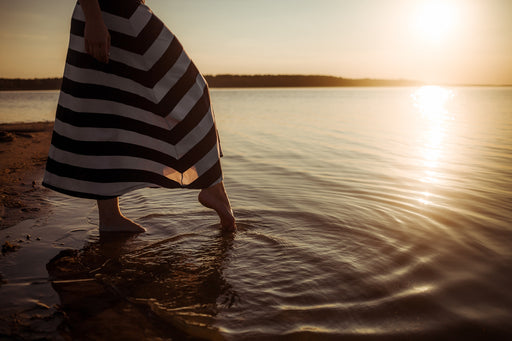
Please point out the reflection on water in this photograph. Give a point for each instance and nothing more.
(364, 213)
(432, 104)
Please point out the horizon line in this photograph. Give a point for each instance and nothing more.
(417, 82)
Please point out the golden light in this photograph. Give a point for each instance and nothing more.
(432, 104)
(436, 20)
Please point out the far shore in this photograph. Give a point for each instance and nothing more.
(251, 81)
(234, 81)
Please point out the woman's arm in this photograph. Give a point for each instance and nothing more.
(96, 36)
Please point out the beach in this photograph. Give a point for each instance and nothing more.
(23, 149)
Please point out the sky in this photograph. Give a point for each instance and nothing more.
(435, 41)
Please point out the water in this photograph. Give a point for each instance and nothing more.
(364, 213)
(28, 106)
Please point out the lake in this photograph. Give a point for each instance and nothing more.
(363, 214)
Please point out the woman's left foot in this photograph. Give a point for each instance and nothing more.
(216, 198)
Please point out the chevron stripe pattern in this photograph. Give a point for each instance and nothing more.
(144, 119)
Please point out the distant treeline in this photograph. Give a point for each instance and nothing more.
(230, 81)
(264, 81)
(30, 84)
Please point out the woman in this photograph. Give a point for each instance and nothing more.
(133, 112)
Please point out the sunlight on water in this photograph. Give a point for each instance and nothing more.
(432, 104)
(431, 101)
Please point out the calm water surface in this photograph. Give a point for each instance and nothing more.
(28, 106)
(364, 213)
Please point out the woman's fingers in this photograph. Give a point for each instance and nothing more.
(88, 48)
(101, 53)
(97, 42)
(98, 51)
(108, 49)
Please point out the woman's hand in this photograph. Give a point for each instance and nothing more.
(97, 40)
(96, 36)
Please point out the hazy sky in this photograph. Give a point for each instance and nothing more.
(443, 41)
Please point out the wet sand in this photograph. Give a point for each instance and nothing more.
(23, 152)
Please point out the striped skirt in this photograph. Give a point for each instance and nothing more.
(144, 119)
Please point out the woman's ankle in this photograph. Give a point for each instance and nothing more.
(112, 220)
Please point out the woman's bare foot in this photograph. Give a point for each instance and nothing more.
(216, 198)
(112, 220)
(121, 224)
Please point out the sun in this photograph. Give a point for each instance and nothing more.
(436, 19)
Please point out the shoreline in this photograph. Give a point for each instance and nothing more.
(23, 150)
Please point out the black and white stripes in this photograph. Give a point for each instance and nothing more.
(142, 120)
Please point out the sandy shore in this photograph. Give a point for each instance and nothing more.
(23, 152)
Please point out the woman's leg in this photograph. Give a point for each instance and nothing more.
(112, 220)
(216, 198)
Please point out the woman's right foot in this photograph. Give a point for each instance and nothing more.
(120, 224)
(112, 220)
(216, 198)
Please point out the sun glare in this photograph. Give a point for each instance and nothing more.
(436, 20)
(432, 104)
